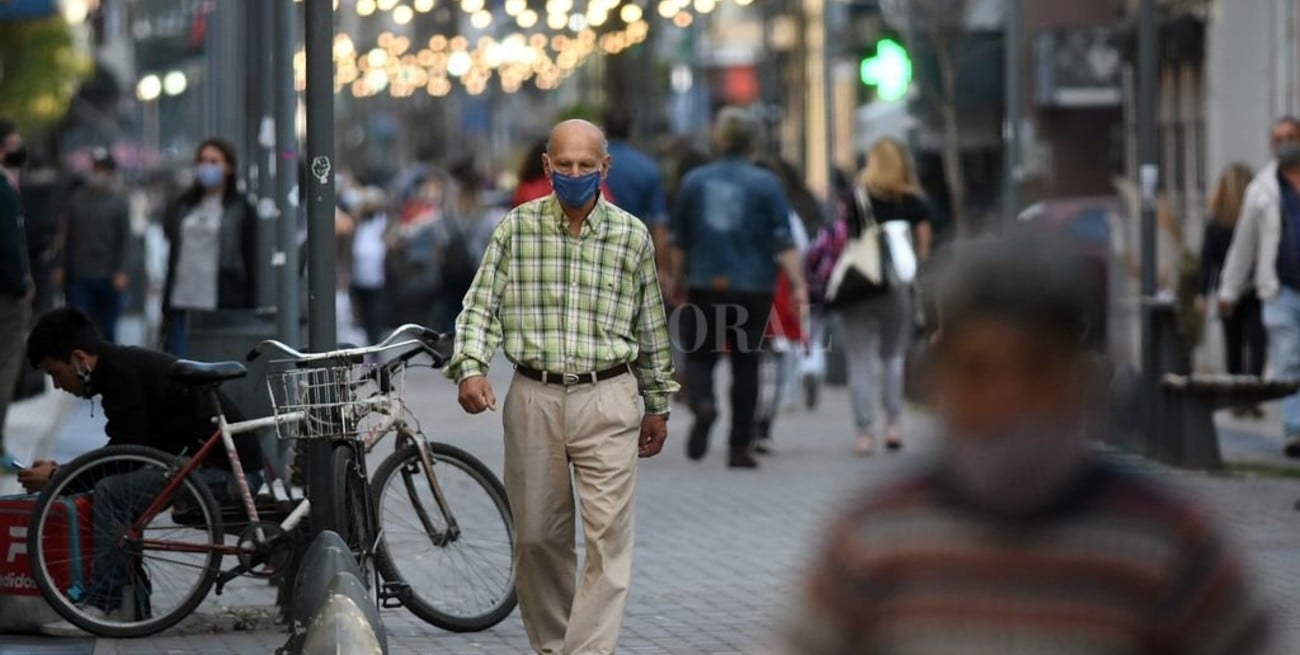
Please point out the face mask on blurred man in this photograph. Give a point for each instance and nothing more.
(1288, 155)
(1019, 469)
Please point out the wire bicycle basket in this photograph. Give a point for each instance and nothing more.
(333, 401)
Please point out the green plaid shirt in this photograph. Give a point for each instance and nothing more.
(568, 304)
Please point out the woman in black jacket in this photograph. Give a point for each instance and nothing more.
(1245, 341)
(212, 230)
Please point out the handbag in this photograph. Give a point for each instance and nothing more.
(863, 269)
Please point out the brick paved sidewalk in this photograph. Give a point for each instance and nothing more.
(718, 552)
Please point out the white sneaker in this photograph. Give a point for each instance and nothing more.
(67, 629)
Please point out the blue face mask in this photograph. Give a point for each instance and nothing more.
(210, 176)
(574, 192)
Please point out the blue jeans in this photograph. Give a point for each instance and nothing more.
(118, 500)
(97, 297)
(1282, 320)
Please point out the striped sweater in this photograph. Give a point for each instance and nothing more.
(1119, 566)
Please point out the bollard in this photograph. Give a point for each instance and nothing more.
(348, 585)
(327, 555)
(347, 624)
(329, 571)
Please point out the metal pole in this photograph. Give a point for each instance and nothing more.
(1011, 128)
(288, 314)
(322, 331)
(828, 99)
(320, 173)
(1149, 177)
(264, 138)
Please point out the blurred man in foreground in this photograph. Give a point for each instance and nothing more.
(1020, 538)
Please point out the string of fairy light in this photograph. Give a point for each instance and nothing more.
(514, 42)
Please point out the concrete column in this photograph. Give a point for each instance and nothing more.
(1239, 105)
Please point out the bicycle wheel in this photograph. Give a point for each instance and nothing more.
(347, 504)
(459, 581)
(103, 579)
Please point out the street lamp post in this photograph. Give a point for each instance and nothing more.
(322, 332)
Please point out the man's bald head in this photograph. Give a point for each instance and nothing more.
(577, 149)
(577, 132)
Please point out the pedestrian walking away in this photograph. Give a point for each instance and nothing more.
(730, 229)
(785, 338)
(1265, 254)
(876, 330)
(16, 288)
(1244, 339)
(94, 237)
(1017, 537)
(568, 288)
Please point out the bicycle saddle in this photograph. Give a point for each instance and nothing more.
(191, 372)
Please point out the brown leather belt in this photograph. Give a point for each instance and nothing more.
(570, 379)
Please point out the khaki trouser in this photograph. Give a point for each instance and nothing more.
(557, 438)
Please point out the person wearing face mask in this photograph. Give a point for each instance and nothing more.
(145, 407)
(1018, 538)
(568, 286)
(212, 230)
(1267, 242)
(730, 232)
(95, 235)
(16, 288)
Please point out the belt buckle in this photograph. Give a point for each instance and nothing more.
(570, 379)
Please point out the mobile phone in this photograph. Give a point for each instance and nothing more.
(12, 464)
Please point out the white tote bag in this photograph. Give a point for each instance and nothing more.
(865, 257)
(898, 234)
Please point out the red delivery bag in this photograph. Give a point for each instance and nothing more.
(68, 548)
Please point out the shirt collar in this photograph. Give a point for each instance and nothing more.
(595, 220)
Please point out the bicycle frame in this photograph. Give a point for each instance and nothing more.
(225, 435)
(388, 405)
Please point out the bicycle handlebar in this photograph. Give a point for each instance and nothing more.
(407, 335)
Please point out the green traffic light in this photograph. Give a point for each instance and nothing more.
(890, 71)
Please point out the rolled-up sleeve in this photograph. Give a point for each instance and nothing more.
(478, 328)
(654, 364)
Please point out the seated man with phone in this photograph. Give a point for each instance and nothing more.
(145, 407)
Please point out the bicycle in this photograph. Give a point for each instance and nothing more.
(350, 397)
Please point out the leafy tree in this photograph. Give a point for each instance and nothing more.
(40, 69)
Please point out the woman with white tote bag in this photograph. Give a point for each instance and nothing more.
(883, 219)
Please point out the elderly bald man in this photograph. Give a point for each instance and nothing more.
(568, 286)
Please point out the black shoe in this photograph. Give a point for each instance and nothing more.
(1292, 447)
(742, 459)
(698, 443)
